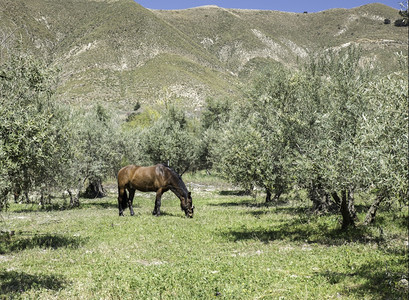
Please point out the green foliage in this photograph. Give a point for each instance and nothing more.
(356, 116)
(171, 141)
(141, 119)
(215, 113)
(383, 138)
(213, 117)
(96, 149)
(327, 128)
(44, 147)
(236, 154)
(32, 128)
(256, 147)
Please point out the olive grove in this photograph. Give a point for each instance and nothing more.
(334, 128)
(47, 147)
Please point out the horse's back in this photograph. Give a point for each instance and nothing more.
(126, 173)
(140, 178)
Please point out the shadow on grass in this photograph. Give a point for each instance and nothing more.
(60, 206)
(235, 193)
(35, 207)
(249, 203)
(101, 205)
(168, 214)
(20, 242)
(13, 283)
(304, 229)
(243, 203)
(382, 280)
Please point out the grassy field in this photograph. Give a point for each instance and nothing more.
(235, 247)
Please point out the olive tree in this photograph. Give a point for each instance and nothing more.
(349, 112)
(170, 140)
(334, 128)
(214, 116)
(32, 128)
(383, 140)
(96, 151)
(257, 145)
(236, 153)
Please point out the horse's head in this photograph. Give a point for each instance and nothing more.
(187, 205)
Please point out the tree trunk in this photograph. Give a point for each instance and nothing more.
(3, 199)
(347, 218)
(370, 216)
(277, 196)
(268, 195)
(42, 199)
(320, 199)
(95, 190)
(75, 199)
(351, 205)
(336, 198)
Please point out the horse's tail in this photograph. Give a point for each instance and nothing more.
(124, 203)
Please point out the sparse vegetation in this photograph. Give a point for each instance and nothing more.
(117, 51)
(404, 14)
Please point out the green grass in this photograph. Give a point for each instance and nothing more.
(234, 248)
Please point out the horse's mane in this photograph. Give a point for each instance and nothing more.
(176, 174)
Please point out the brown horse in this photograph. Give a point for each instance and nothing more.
(159, 179)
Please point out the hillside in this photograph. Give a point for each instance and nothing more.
(118, 52)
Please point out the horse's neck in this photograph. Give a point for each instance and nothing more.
(178, 187)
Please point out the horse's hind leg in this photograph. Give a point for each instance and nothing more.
(130, 200)
(121, 200)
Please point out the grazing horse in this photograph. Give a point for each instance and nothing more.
(159, 179)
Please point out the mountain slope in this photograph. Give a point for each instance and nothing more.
(118, 52)
(241, 35)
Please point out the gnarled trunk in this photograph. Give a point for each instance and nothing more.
(347, 208)
(268, 195)
(321, 202)
(75, 198)
(95, 190)
(275, 198)
(370, 216)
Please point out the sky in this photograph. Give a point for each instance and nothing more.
(281, 5)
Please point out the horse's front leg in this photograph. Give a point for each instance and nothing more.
(156, 211)
(130, 201)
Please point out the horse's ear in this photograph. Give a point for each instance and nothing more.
(189, 194)
(187, 168)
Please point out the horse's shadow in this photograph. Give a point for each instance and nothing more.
(171, 214)
(139, 214)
